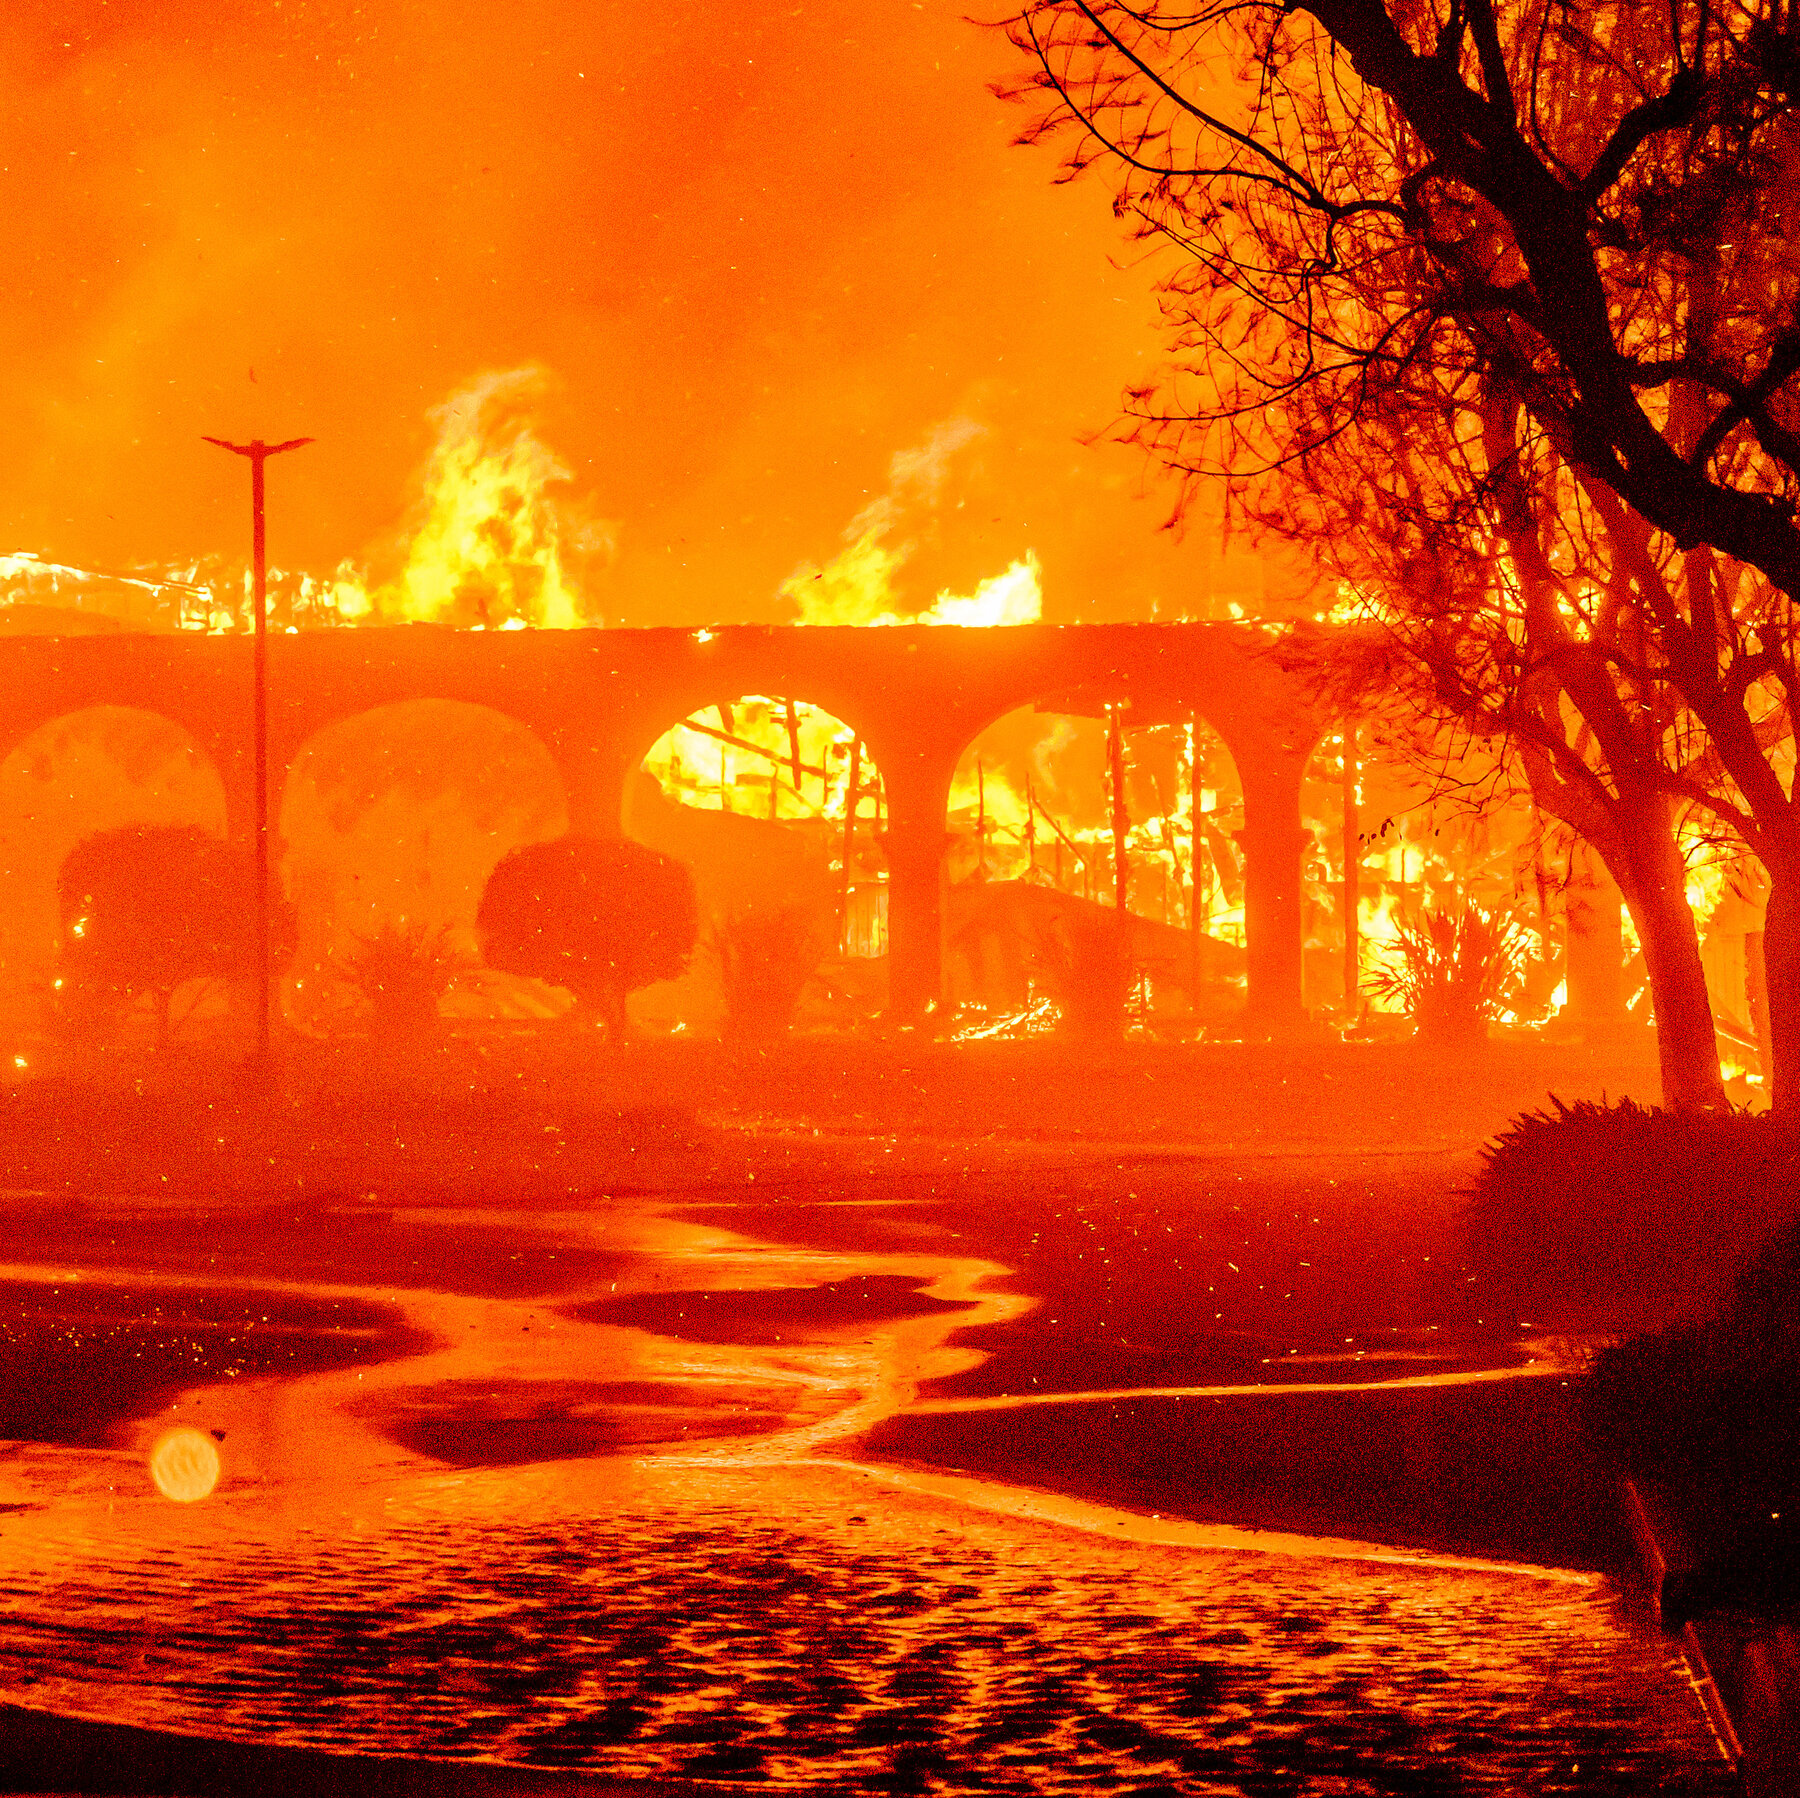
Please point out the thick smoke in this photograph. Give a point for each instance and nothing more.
(762, 249)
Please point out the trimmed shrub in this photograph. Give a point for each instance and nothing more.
(1626, 1214)
(148, 909)
(599, 916)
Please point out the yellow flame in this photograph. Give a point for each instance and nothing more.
(858, 585)
(497, 544)
(1378, 924)
(857, 588)
(1015, 597)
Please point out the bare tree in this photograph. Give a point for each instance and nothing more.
(1505, 608)
(1565, 237)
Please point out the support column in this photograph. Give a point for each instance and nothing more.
(915, 843)
(915, 851)
(1595, 967)
(1273, 928)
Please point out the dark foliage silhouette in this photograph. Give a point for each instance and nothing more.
(598, 916)
(147, 909)
(766, 957)
(1501, 295)
(403, 970)
(1625, 1210)
(1450, 971)
(1754, 1576)
(1712, 1410)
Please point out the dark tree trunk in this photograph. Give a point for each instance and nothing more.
(1655, 886)
(1781, 972)
(1635, 837)
(612, 1008)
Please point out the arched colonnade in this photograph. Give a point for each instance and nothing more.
(598, 700)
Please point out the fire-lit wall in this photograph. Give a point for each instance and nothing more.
(598, 700)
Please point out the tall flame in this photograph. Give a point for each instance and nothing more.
(857, 585)
(856, 588)
(496, 544)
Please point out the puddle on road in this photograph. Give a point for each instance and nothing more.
(703, 1579)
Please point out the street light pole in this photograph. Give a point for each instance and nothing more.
(258, 452)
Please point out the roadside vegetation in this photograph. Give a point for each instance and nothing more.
(1607, 1215)
(1711, 1410)
(1451, 972)
(766, 957)
(599, 917)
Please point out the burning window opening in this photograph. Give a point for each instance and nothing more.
(777, 808)
(1082, 822)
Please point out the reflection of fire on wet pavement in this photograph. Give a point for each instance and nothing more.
(806, 1629)
(611, 1516)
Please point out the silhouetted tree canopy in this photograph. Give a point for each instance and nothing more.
(600, 916)
(148, 908)
(1495, 301)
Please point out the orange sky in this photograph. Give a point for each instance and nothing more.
(759, 247)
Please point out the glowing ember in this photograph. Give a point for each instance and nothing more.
(185, 1466)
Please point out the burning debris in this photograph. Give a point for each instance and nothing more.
(497, 540)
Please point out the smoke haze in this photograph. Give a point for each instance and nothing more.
(763, 251)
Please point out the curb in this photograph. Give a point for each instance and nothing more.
(1656, 1566)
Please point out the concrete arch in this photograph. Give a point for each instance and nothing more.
(647, 721)
(1031, 822)
(1267, 757)
(65, 778)
(1224, 675)
(759, 819)
(394, 816)
(597, 699)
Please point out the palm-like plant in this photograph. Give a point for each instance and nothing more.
(1451, 971)
(765, 960)
(1084, 956)
(402, 970)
